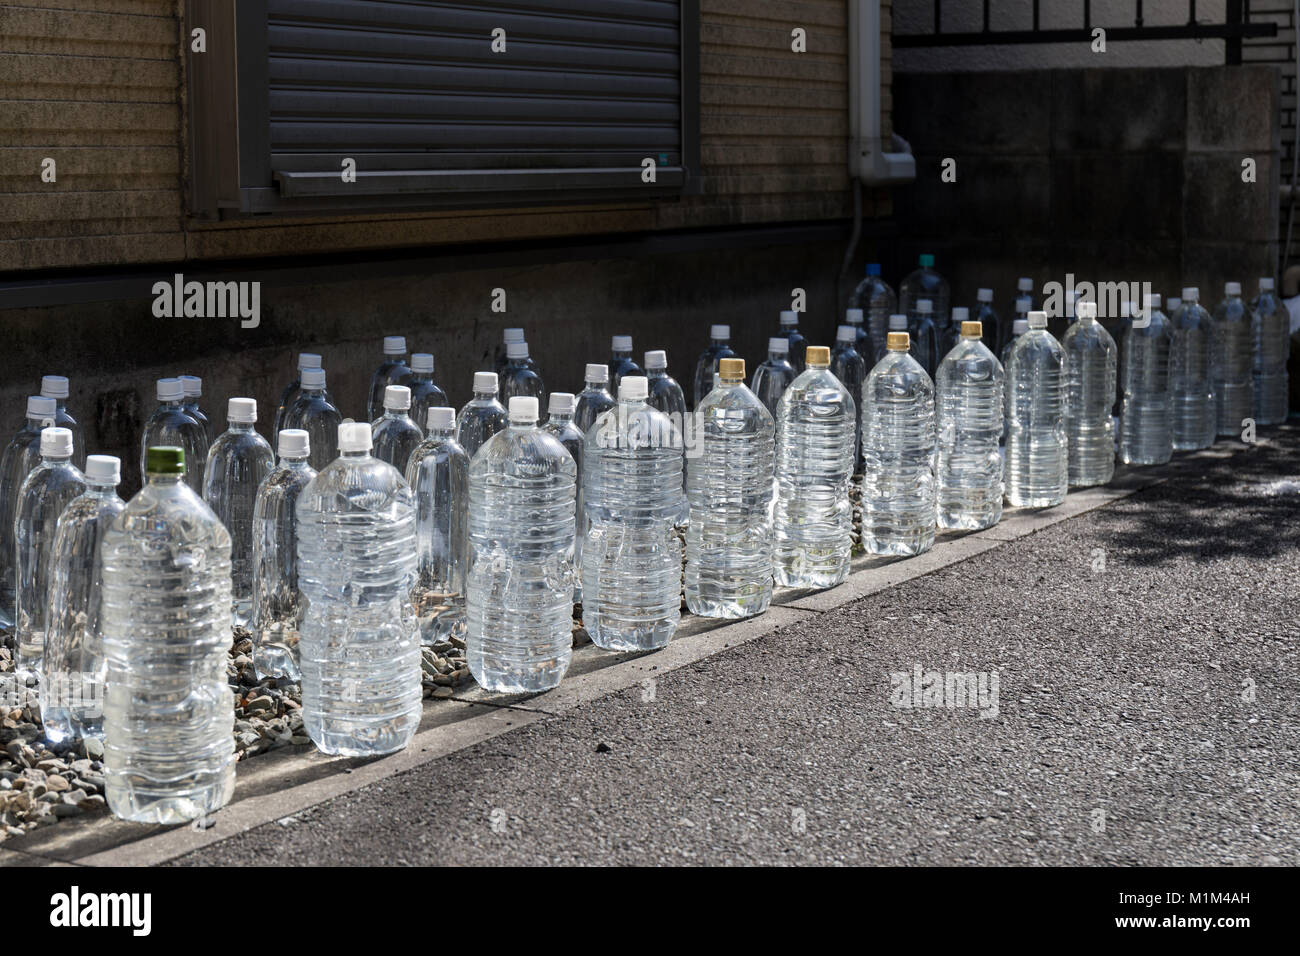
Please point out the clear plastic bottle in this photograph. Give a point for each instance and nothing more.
(989, 320)
(360, 642)
(171, 426)
(850, 367)
(1018, 328)
(594, 399)
(522, 489)
(56, 387)
(499, 360)
(278, 606)
(707, 364)
(1088, 371)
(774, 376)
(44, 494)
(923, 333)
(897, 323)
(1172, 305)
(813, 517)
(193, 386)
(969, 409)
(560, 424)
(877, 300)
(620, 359)
(482, 417)
(313, 412)
(1146, 423)
(169, 742)
(291, 391)
(1038, 460)
(1271, 328)
(925, 283)
(898, 490)
(238, 463)
(789, 324)
(72, 675)
(1024, 305)
(853, 317)
(729, 486)
(425, 392)
(632, 559)
(520, 376)
(1025, 290)
(951, 340)
(394, 435)
(1232, 361)
(1189, 374)
(393, 370)
(438, 474)
(21, 455)
(667, 396)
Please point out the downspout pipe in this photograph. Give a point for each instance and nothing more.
(871, 161)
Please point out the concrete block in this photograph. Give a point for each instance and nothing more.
(1217, 205)
(1233, 108)
(1118, 195)
(1097, 110)
(995, 112)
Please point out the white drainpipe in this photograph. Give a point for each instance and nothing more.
(869, 159)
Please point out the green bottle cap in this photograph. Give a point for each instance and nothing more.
(165, 460)
(927, 260)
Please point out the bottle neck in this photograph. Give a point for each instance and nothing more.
(355, 455)
(778, 357)
(522, 426)
(485, 396)
(294, 461)
(101, 489)
(173, 404)
(618, 354)
(720, 343)
(656, 372)
(393, 413)
(154, 478)
(239, 428)
(56, 460)
(442, 433)
(594, 386)
(313, 389)
(729, 383)
(561, 418)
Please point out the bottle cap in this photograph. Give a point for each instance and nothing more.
(1153, 300)
(308, 360)
(170, 390)
(789, 317)
(1019, 326)
(621, 343)
(983, 295)
(103, 469)
(294, 443)
(193, 386)
(845, 333)
(517, 350)
(633, 388)
(54, 386)
(778, 344)
(41, 406)
(485, 382)
(1191, 293)
(441, 416)
(1086, 310)
(56, 442)
(1037, 319)
(1025, 284)
(313, 377)
(1266, 285)
(394, 345)
(164, 460)
(960, 314)
(656, 359)
(732, 370)
(898, 323)
(397, 398)
(354, 436)
(819, 356)
(242, 410)
(422, 362)
(513, 335)
(898, 341)
(596, 372)
(1023, 304)
(1174, 303)
(873, 268)
(561, 403)
(972, 330)
(523, 410)
(1232, 288)
(853, 316)
(924, 305)
(926, 260)
(719, 331)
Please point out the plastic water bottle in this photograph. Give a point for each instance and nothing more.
(1018, 328)
(594, 399)
(278, 606)
(72, 675)
(499, 360)
(988, 318)
(171, 426)
(291, 391)
(522, 490)
(438, 474)
(44, 494)
(632, 559)
(620, 359)
(877, 300)
(1232, 361)
(1189, 374)
(314, 412)
(952, 337)
(1023, 306)
(812, 530)
(1088, 371)
(1172, 305)
(560, 424)
(1146, 434)
(1038, 459)
(898, 489)
(925, 283)
(425, 393)
(923, 334)
(520, 376)
(1025, 290)
(166, 623)
(850, 367)
(789, 323)
(238, 463)
(393, 370)
(56, 387)
(193, 386)
(969, 418)
(1271, 325)
(897, 323)
(21, 455)
(482, 417)
(774, 376)
(394, 436)
(729, 486)
(854, 318)
(360, 645)
(663, 392)
(707, 365)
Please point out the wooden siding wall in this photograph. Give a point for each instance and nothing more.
(100, 91)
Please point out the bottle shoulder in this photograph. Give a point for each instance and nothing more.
(170, 510)
(529, 452)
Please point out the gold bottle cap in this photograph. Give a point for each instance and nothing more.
(972, 330)
(898, 341)
(731, 369)
(817, 356)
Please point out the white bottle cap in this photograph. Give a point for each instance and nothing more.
(512, 335)
(394, 345)
(1174, 303)
(397, 398)
(633, 388)
(1085, 310)
(1153, 300)
(846, 333)
(56, 443)
(1019, 326)
(561, 403)
(1037, 319)
(1232, 288)
(294, 443)
(1023, 305)
(778, 344)
(1266, 285)
(242, 410)
(193, 386)
(656, 358)
(523, 410)
(422, 362)
(54, 386)
(853, 316)
(621, 343)
(898, 323)
(170, 390)
(924, 305)
(440, 416)
(983, 295)
(596, 372)
(103, 469)
(1191, 293)
(485, 382)
(960, 314)
(719, 331)
(1025, 284)
(354, 436)
(517, 350)
(313, 378)
(41, 406)
(789, 317)
(308, 360)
